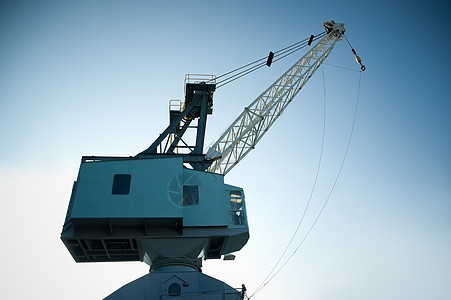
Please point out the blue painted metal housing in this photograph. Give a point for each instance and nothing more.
(148, 209)
(176, 283)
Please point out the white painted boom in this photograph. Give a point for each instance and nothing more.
(245, 132)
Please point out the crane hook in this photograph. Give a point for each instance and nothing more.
(359, 60)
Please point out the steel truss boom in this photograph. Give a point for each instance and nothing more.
(245, 132)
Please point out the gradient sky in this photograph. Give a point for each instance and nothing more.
(95, 77)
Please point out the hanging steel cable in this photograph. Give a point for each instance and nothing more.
(357, 58)
(263, 283)
(271, 275)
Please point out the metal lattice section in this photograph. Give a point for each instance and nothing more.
(245, 132)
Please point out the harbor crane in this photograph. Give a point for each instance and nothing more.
(169, 206)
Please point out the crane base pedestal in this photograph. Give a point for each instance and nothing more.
(176, 282)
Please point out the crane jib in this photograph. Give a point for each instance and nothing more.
(245, 132)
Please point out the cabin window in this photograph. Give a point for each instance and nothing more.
(190, 195)
(121, 184)
(236, 208)
(174, 290)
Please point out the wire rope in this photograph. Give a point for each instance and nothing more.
(261, 59)
(344, 68)
(266, 281)
(347, 41)
(311, 192)
(259, 63)
(252, 69)
(296, 49)
(357, 58)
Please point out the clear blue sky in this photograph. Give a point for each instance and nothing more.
(95, 77)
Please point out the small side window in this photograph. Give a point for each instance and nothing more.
(236, 201)
(121, 184)
(236, 208)
(190, 195)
